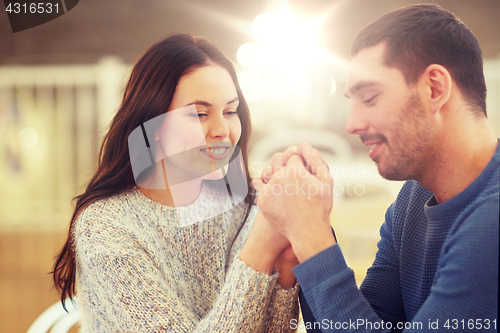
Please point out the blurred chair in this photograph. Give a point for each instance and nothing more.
(332, 146)
(57, 318)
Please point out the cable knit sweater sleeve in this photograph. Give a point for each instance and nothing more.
(283, 308)
(284, 305)
(123, 285)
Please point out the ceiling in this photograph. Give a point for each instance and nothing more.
(126, 28)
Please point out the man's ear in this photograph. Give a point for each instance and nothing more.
(437, 84)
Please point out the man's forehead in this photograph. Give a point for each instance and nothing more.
(367, 63)
(368, 69)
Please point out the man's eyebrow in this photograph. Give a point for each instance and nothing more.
(358, 86)
(204, 103)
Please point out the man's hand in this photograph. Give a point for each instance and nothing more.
(296, 196)
(277, 163)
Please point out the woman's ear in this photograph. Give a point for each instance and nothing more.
(437, 84)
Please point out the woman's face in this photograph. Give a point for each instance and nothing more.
(201, 128)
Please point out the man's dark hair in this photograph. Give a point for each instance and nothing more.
(420, 35)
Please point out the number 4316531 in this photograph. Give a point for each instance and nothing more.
(33, 8)
(455, 324)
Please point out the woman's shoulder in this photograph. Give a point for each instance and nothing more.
(113, 206)
(112, 213)
(105, 221)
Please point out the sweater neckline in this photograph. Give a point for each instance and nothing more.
(155, 204)
(433, 210)
(210, 202)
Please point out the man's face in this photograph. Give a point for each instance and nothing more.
(389, 116)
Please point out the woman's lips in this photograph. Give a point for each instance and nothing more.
(216, 152)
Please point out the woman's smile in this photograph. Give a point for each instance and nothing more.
(217, 151)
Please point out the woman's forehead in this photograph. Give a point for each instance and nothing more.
(209, 81)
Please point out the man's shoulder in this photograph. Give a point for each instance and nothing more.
(484, 209)
(492, 187)
(486, 201)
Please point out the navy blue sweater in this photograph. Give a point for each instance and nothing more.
(436, 267)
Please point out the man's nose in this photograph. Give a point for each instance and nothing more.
(356, 122)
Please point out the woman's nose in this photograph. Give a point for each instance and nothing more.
(218, 128)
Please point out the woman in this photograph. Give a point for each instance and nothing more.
(138, 255)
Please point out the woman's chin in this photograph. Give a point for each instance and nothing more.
(216, 175)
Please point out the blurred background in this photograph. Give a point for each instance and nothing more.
(61, 82)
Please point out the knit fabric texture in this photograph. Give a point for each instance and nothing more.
(140, 270)
(436, 268)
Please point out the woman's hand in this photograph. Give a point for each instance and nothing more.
(285, 262)
(297, 200)
(263, 246)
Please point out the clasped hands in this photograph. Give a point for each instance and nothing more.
(295, 198)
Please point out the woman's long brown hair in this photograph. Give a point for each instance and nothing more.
(148, 94)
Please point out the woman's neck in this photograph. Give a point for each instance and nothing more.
(174, 196)
(158, 190)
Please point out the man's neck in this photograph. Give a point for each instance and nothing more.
(463, 157)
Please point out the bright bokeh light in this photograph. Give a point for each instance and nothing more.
(285, 51)
(333, 86)
(299, 84)
(274, 86)
(250, 55)
(251, 85)
(285, 42)
(28, 137)
(266, 27)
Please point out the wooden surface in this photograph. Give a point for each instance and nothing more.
(26, 288)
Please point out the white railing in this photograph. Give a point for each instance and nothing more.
(51, 123)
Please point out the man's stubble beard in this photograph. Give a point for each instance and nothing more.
(411, 150)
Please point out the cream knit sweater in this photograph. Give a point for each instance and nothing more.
(138, 270)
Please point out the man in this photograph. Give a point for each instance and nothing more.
(418, 99)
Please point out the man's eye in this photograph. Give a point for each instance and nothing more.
(370, 101)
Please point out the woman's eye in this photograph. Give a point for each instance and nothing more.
(197, 115)
(231, 113)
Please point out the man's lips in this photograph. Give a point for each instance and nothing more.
(374, 147)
